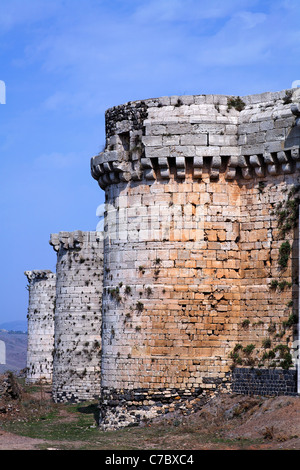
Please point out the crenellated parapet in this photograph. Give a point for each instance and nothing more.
(37, 275)
(67, 240)
(191, 136)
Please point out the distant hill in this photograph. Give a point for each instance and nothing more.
(16, 351)
(14, 326)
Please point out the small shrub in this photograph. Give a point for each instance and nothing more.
(287, 99)
(236, 103)
(234, 355)
(274, 284)
(271, 354)
(268, 355)
(287, 361)
(248, 349)
(115, 294)
(283, 284)
(178, 103)
(266, 343)
(272, 328)
(284, 254)
(148, 291)
(285, 356)
(139, 306)
(287, 212)
(236, 358)
(292, 320)
(156, 273)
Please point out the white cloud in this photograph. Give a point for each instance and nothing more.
(79, 101)
(188, 10)
(249, 20)
(239, 42)
(14, 13)
(96, 44)
(102, 52)
(56, 101)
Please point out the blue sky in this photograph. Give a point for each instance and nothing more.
(64, 62)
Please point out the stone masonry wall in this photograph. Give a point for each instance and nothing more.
(269, 139)
(267, 382)
(77, 347)
(268, 286)
(41, 287)
(195, 189)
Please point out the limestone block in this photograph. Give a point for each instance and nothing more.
(193, 139)
(170, 140)
(157, 152)
(152, 140)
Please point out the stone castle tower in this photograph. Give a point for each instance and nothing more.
(77, 321)
(40, 325)
(200, 279)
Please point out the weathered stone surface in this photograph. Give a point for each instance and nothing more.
(40, 324)
(77, 321)
(191, 247)
(201, 194)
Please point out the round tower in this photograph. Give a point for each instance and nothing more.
(40, 324)
(194, 187)
(77, 345)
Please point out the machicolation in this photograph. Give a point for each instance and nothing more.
(192, 288)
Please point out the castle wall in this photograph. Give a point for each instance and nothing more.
(41, 287)
(269, 139)
(77, 346)
(191, 246)
(268, 289)
(270, 382)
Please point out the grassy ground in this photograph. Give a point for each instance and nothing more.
(74, 427)
(68, 427)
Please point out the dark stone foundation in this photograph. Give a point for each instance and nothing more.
(266, 382)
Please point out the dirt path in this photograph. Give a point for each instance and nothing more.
(10, 441)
